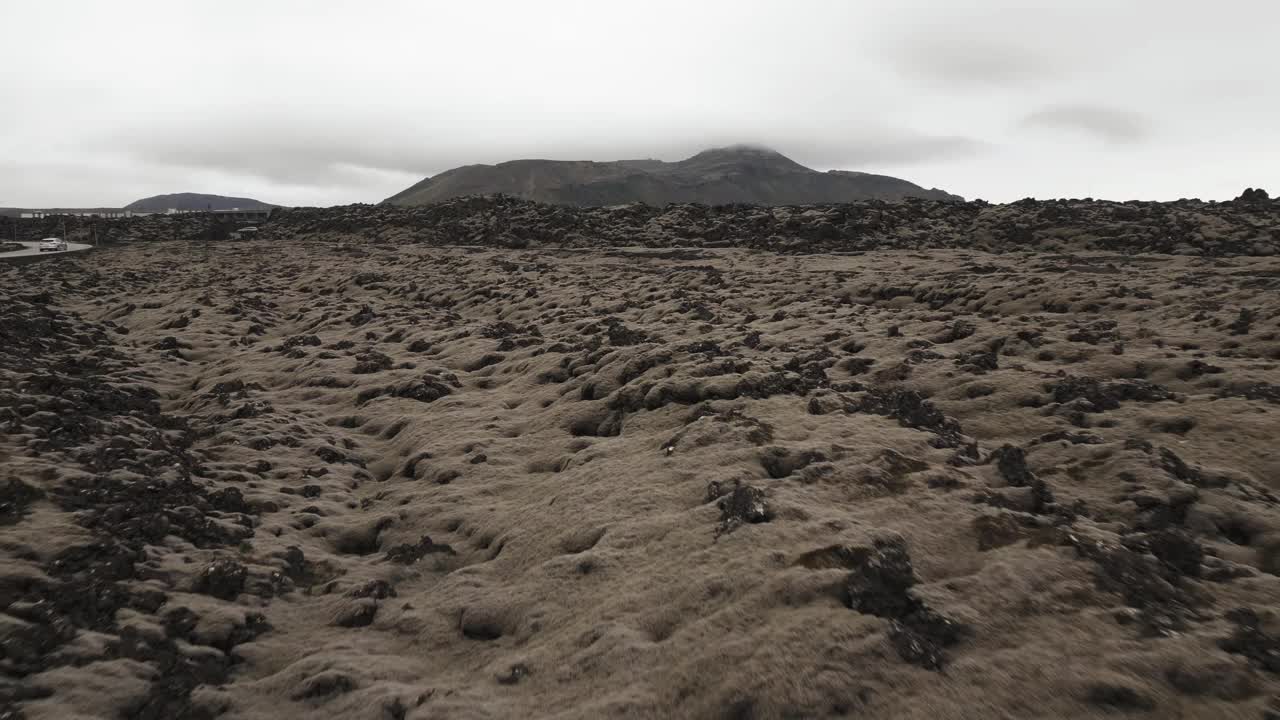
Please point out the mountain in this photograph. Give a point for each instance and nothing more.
(722, 176)
(195, 201)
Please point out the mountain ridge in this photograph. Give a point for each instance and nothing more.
(718, 176)
(195, 201)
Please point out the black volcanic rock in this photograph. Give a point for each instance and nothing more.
(1183, 227)
(738, 174)
(1177, 228)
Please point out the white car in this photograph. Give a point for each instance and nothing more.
(53, 245)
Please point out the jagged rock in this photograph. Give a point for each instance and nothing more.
(880, 585)
(409, 553)
(739, 504)
(1252, 641)
(222, 579)
(15, 496)
(372, 361)
(1106, 395)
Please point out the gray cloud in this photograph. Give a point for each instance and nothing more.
(887, 150)
(979, 46)
(951, 63)
(1107, 124)
(298, 157)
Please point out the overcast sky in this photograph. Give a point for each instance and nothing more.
(324, 102)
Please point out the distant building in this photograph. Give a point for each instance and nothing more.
(235, 214)
(232, 214)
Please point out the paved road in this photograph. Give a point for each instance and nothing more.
(33, 248)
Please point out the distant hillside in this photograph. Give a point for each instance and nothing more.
(195, 201)
(738, 174)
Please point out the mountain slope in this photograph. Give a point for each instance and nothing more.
(195, 201)
(738, 174)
